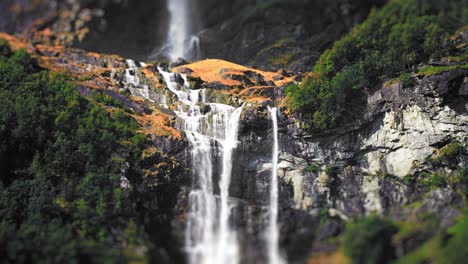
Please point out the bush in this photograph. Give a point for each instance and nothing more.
(447, 154)
(5, 49)
(368, 240)
(313, 167)
(433, 181)
(61, 160)
(455, 249)
(391, 42)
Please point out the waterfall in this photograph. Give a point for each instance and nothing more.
(209, 237)
(132, 81)
(272, 234)
(180, 43)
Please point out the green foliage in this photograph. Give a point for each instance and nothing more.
(428, 71)
(369, 240)
(407, 79)
(102, 97)
(447, 154)
(62, 157)
(313, 167)
(455, 250)
(433, 180)
(443, 248)
(391, 42)
(5, 49)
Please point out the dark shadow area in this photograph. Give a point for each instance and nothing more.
(132, 29)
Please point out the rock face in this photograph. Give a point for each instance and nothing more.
(354, 170)
(269, 34)
(275, 34)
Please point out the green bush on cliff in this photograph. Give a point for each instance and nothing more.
(455, 249)
(443, 248)
(368, 240)
(5, 49)
(61, 161)
(391, 42)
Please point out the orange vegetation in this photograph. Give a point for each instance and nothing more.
(60, 59)
(151, 76)
(331, 258)
(17, 44)
(210, 71)
(158, 123)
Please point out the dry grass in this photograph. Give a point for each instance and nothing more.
(336, 257)
(209, 71)
(158, 123)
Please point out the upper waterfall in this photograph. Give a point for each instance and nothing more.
(180, 41)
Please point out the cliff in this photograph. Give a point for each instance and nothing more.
(402, 158)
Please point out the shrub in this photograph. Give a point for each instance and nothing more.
(391, 42)
(313, 167)
(61, 159)
(368, 240)
(5, 49)
(447, 154)
(433, 180)
(455, 250)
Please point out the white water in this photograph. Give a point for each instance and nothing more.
(272, 234)
(132, 80)
(209, 237)
(181, 43)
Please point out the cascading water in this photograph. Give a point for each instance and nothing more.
(212, 136)
(181, 43)
(272, 234)
(209, 237)
(133, 81)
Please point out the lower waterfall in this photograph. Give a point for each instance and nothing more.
(212, 132)
(209, 237)
(272, 234)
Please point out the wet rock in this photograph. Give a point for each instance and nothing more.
(179, 79)
(184, 70)
(216, 86)
(284, 73)
(196, 83)
(298, 78)
(256, 78)
(179, 62)
(205, 108)
(244, 80)
(278, 78)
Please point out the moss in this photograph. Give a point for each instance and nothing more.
(282, 59)
(429, 71)
(447, 154)
(433, 180)
(266, 5)
(407, 79)
(313, 167)
(278, 44)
